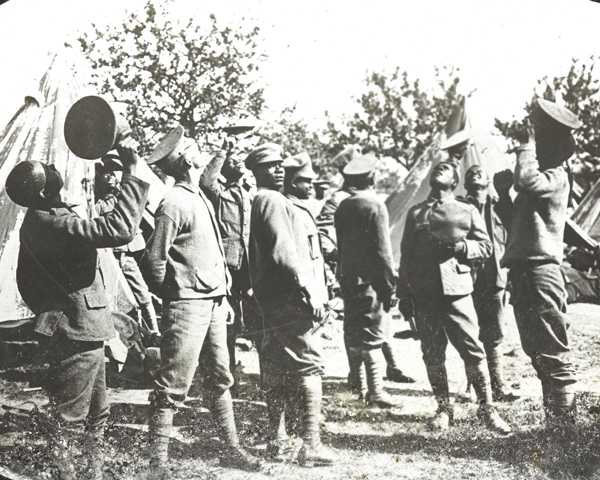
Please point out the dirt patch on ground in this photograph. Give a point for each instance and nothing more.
(373, 443)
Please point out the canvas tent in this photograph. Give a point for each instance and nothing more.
(587, 214)
(415, 187)
(36, 133)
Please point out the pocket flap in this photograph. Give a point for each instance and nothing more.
(462, 268)
(95, 300)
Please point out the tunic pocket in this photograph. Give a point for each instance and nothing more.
(95, 300)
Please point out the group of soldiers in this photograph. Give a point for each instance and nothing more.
(222, 253)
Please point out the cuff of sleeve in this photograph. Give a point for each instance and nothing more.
(301, 280)
(133, 179)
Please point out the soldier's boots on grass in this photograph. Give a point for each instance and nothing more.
(488, 414)
(160, 426)
(374, 365)
(443, 418)
(561, 413)
(357, 376)
(500, 392)
(393, 372)
(313, 452)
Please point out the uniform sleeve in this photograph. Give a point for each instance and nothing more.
(478, 243)
(153, 263)
(113, 229)
(276, 225)
(504, 210)
(530, 180)
(326, 217)
(385, 282)
(209, 180)
(407, 248)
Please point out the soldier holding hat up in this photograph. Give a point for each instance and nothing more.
(366, 276)
(184, 265)
(106, 191)
(59, 278)
(286, 266)
(534, 253)
(442, 237)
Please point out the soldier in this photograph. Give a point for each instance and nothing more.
(366, 276)
(489, 277)
(106, 191)
(286, 267)
(59, 278)
(442, 236)
(534, 253)
(325, 221)
(223, 184)
(184, 265)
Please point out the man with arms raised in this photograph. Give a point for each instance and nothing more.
(184, 265)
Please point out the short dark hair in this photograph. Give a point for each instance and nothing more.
(24, 183)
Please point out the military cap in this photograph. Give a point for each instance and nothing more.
(450, 222)
(363, 165)
(300, 166)
(111, 162)
(457, 139)
(548, 113)
(322, 183)
(267, 152)
(170, 148)
(346, 155)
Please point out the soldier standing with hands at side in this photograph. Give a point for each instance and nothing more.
(286, 267)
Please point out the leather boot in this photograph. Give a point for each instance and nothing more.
(562, 411)
(160, 426)
(500, 392)
(233, 455)
(478, 376)
(149, 316)
(393, 372)
(313, 452)
(357, 377)
(374, 363)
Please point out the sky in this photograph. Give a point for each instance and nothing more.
(320, 50)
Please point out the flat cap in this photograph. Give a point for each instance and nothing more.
(299, 165)
(363, 165)
(170, 148)
(549, 113)
(457, 139)
(267, 152)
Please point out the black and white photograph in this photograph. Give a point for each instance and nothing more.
(246, 239)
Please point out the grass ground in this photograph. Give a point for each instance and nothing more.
(373, 443)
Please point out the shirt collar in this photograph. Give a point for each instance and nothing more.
(187, 186)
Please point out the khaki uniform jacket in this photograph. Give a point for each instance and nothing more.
(426, 271)
(364, 246)
(58, 271)
(285, 251)
(105, 205)
(497, 215)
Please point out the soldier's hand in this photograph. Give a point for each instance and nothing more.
(406, 308)
(318, 310)
(127, 148)
(503, 180)
(389, 303)
(456, 249)
(529, 132)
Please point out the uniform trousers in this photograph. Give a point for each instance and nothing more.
(366, 325)
(444, 318)
(489, 305)
(288, 350)
(134, 278)
(539, 300)
(76, 382)
(189, 327)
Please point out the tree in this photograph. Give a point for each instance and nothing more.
(579, 91)
(399, 118)
(169, 72)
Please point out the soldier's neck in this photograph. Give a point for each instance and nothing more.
(478, 194)
(440, 194)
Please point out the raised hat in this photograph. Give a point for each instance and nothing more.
(363, 165)
(324, 183)
(547, 112)
(171, 147)
(458, 138)
(267, 152)
(110, 162)
(300, 165)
